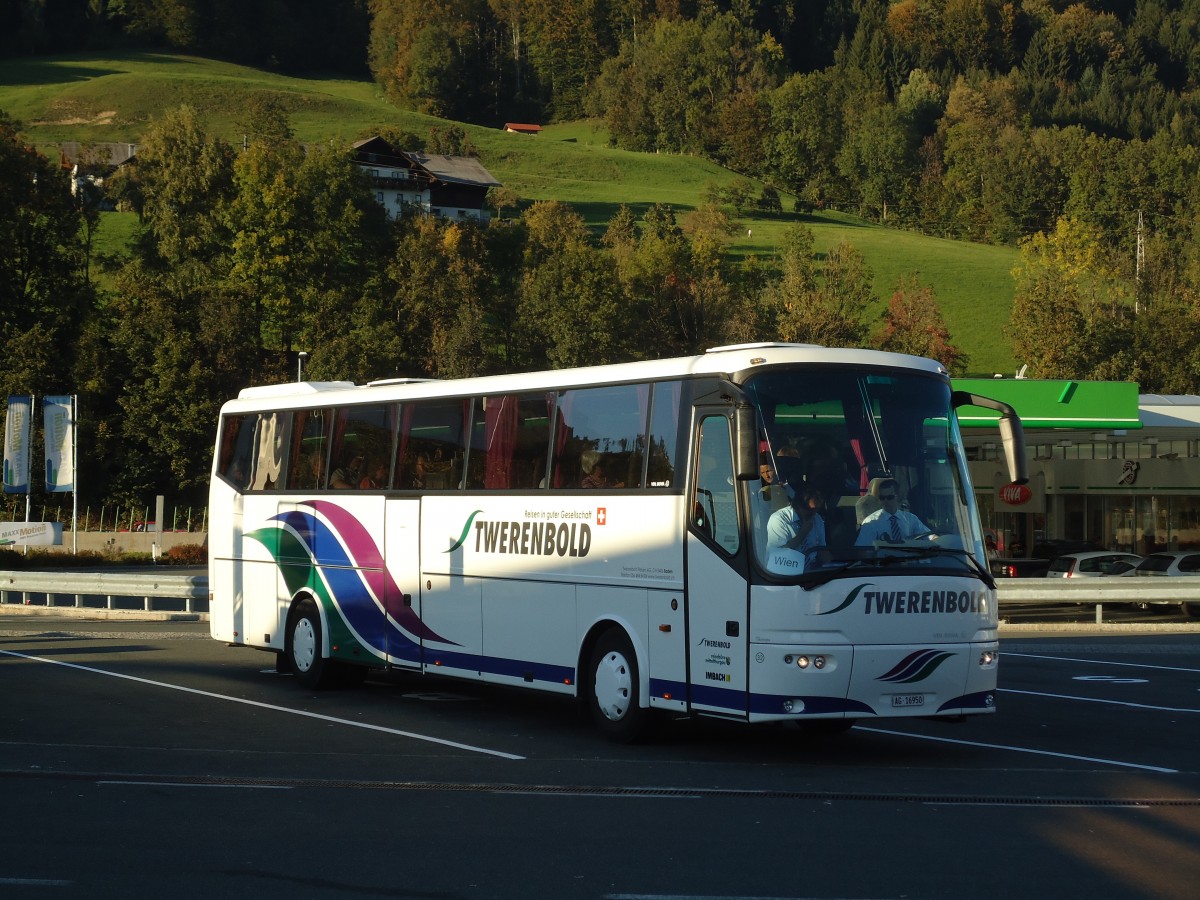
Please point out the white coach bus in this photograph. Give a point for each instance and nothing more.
(684, 536)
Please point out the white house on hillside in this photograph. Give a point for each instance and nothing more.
(451, 186)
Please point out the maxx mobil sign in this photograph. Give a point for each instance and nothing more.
(1026, 498)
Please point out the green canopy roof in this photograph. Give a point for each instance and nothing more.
(1054, 404)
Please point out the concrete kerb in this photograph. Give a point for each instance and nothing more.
(96, 613)
(1103, 628)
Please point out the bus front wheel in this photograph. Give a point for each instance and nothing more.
(304, 647)
(613, 695)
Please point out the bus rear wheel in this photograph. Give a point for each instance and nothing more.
(614, 693)
(304, 648)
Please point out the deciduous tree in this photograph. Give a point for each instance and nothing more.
(913, 323)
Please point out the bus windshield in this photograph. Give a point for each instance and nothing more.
(860, 472)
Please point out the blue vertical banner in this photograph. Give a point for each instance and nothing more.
(16, 444)
(60, 443)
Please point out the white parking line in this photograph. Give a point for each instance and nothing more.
(1170, 709)
(1091, 759)
(256, 787)
(1103, 662)
(271, 706)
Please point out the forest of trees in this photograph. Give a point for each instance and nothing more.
(248, 257)
(1071, 129)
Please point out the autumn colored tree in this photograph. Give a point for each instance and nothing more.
(913, 324)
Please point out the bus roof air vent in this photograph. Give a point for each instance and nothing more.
(383, 381)
(761, 345)
(293, 389)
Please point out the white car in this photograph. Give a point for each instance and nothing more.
(1092, 564)
(1172, 562)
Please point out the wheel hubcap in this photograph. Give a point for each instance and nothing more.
(304, 645)
(614, 686)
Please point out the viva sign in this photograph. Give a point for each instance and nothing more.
(1024, 498)
(1016, 494)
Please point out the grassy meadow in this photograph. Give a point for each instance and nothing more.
(92, 98)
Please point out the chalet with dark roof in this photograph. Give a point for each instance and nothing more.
(90, 165)
(451, 186)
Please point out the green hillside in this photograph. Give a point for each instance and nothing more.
(112, 98)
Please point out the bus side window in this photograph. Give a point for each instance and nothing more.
(431, 444)
(267, 451)
(714, 506)
(597, 434)
(362, 438)
(307, 460)
(237, 450)
(664, 434)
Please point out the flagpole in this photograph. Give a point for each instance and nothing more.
(74, 475)
(29, 465)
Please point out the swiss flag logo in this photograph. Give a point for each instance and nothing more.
(601, 515)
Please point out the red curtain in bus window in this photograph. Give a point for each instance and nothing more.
(500, 436)
(859, 429)
(339, 434)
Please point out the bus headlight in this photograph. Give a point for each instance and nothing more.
(804, 661)
(987, 658)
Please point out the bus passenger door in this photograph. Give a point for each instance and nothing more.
(403, 585)
(717, 589)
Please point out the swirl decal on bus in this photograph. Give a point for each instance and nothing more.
(917, 666)
(329, 552)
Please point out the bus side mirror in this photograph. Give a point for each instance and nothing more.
(745, 446)
(1012, 435)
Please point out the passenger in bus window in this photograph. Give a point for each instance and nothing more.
(375, 478)
(420, 467)
(592, 463)
(346, 475)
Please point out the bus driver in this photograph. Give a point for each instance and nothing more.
(891, 524)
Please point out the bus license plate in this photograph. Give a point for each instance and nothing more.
(908, 699)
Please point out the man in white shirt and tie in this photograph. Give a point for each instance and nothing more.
(891, 524)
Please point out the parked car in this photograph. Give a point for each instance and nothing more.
(1020, 567)
(1092, 564)
(1056, 547)
(1171, 562)
(1037, 564)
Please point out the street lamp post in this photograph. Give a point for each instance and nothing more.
(300, 358)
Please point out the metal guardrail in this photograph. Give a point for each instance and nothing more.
(1183, 590)
(167, 592)
(105, 590)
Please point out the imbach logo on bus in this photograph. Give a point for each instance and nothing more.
(565, 533)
